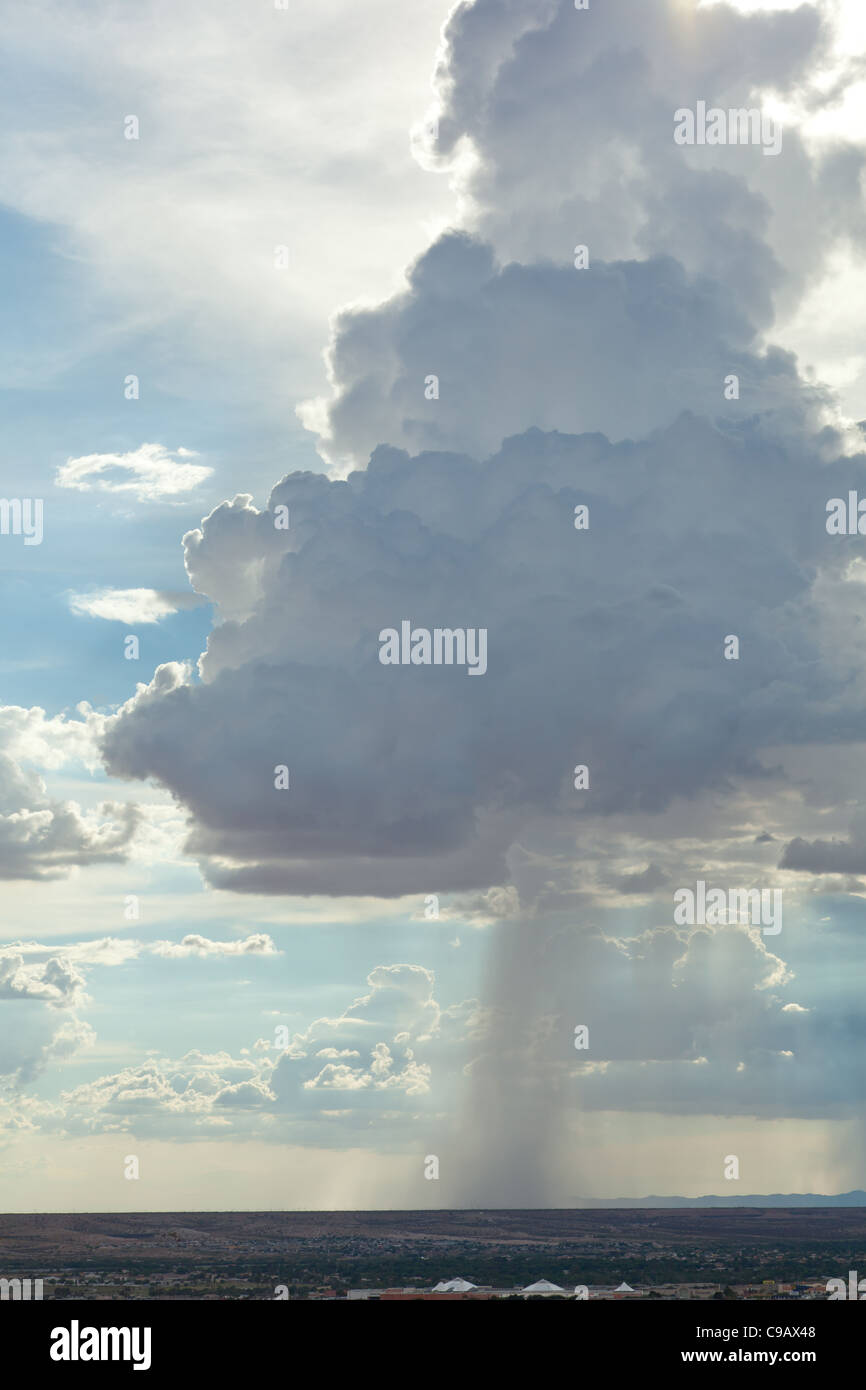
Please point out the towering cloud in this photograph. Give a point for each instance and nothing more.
(555, 453)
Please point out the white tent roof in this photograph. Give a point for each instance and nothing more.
(454, 1286)
(624, 1288)
(543, 1286)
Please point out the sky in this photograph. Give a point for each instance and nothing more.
(326, 319)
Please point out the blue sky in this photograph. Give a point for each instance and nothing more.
(431, 909)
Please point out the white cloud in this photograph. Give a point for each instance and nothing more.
(404, 1044)
(45, 837)
(38, 999)
(259, 944)
(53, 980)
(129, 605)
(51, 741)
(150, 473)
(42, 986)
(41, 838)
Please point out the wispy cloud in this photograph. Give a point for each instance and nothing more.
(110, 950)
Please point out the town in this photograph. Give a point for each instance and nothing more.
(615, 1254)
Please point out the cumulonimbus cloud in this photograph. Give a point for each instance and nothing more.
(503, 392)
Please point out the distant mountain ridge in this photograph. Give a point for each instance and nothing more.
(857, 1198)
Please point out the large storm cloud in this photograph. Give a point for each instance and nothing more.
(605, 645)
(609, 642)
(605, 648)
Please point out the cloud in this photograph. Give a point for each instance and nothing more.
(150, 473)
(42, 837)
(130, 605)
(54, 981)
(30, 735)
(557, 389)
(43, 988)
(379, 1058)
(824, 856)
(138, 1094)
(642, 880)
(259, 944)
(659, 1008)
(38, 999)
(707, 519)
(417, 779)
(596, 351)
(109, 950)
(838, 855)
(481, 909)
(656, 1007)
(689, 248)
(508, 75)
(608, 387)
